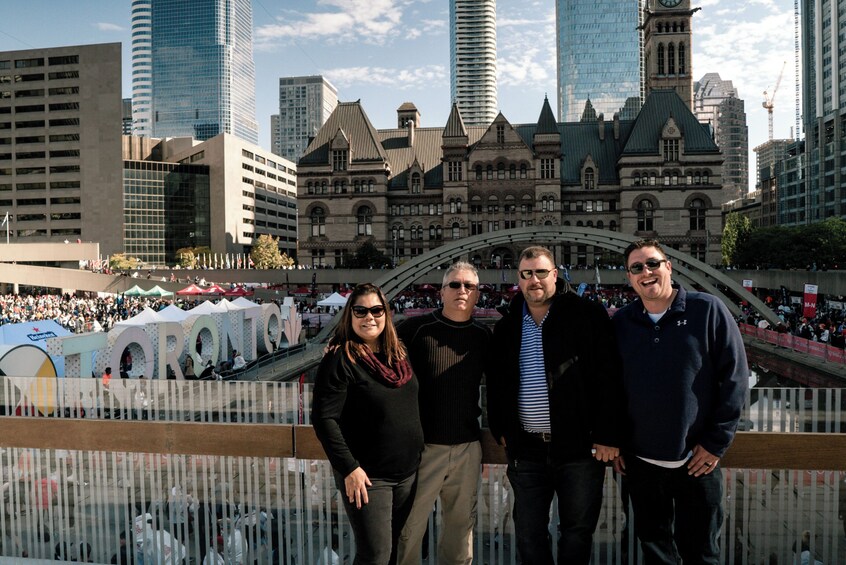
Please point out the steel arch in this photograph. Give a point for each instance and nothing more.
(684, 266)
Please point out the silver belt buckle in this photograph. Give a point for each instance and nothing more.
(546, 436)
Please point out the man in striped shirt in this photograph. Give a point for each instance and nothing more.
(554, 399)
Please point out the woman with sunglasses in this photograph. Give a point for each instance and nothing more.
(365, 414)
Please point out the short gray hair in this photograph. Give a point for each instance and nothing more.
(460, 266)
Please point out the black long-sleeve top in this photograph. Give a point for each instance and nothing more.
(449, 359)
(365, 423)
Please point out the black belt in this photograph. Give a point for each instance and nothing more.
(545, 437)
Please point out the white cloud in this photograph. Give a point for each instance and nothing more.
(105, 26)
(402, 79)
(340, 21)
(526, 50)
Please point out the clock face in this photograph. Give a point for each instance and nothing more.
(670, 3)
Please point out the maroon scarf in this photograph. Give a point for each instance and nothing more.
(394, 377)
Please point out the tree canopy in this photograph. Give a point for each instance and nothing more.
(822, 245)
(266, 255)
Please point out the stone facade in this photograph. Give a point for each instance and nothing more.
(409, 189)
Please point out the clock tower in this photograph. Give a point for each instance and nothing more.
(667, 47)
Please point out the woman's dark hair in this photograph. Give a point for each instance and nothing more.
(346, 338)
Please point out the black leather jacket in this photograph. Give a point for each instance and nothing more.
(583, 374)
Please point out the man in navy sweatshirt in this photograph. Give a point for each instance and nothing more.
(685, 375)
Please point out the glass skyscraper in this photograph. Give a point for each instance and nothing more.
(473, 59)
(203, 75)
(599, 57)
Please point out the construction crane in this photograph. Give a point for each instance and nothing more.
(768, 99)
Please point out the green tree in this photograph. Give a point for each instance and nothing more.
(735, 234)
(190, 256)
(266, 254)
(287, 261)
(368, 256)
(120, 262)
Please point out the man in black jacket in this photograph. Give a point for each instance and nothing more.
(554, 400)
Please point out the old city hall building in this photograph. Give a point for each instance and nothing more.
(411, 189)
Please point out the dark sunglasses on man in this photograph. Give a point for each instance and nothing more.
(541, 274)
(651, 264)
(455, 285)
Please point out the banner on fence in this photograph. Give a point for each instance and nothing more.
(747, 284)
(809, 302)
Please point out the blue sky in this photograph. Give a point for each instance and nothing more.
(386, 52)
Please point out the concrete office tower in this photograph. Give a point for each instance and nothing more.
(60, 110)
(203, 70)
(599, 57)
(472, 52)
(716, 103)
(142, 67)
(823, 87)
(304, 104)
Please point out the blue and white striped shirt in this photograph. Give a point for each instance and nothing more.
(533, 399)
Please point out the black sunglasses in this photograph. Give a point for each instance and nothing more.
(362, 311)
(455, 285)
(651, 264)
(541, 274)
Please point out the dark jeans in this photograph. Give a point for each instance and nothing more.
(578, 485)
(377, 525)
(677, 517)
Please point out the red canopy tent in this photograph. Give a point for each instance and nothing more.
(302, 291)
(215, 289)
(190, 290)
(237, 291)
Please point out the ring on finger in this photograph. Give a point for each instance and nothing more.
(708, 464)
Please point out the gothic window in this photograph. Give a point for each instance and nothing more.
(682, 63)
(339, 160)
(523, 171)
(318, 222)
(456, 231)
(612, 225)
(645, 216)
(490, 172)
(500, 171)
(500, 133)
(364, 220)
(671, 59)
(455, 171)
(697, 214)
(415, 183)
(660, 58)
(547, 168)
(600, 225)
(478, 172)
(512, 172)
(589, 179)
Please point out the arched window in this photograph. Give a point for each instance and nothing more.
(523, 171)
(490, 172)
(580, 224)
(458, 205)
(697, 214)
(636, 179)
(512, 172)
(589, 179)
(660, 58)
(500, 171)
(682, 62)
(456, 231)
(478, 172)
(671, 59)
(415, 183)
(318, 222)
(364, 220)
(600, 225)
(310, 189)
(612, 225)
(645, 216)
(589, 224)
(452, 206)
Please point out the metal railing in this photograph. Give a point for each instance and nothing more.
(261, 486)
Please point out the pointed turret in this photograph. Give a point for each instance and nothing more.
(547, 122)
(455, 125)
(589, 113)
